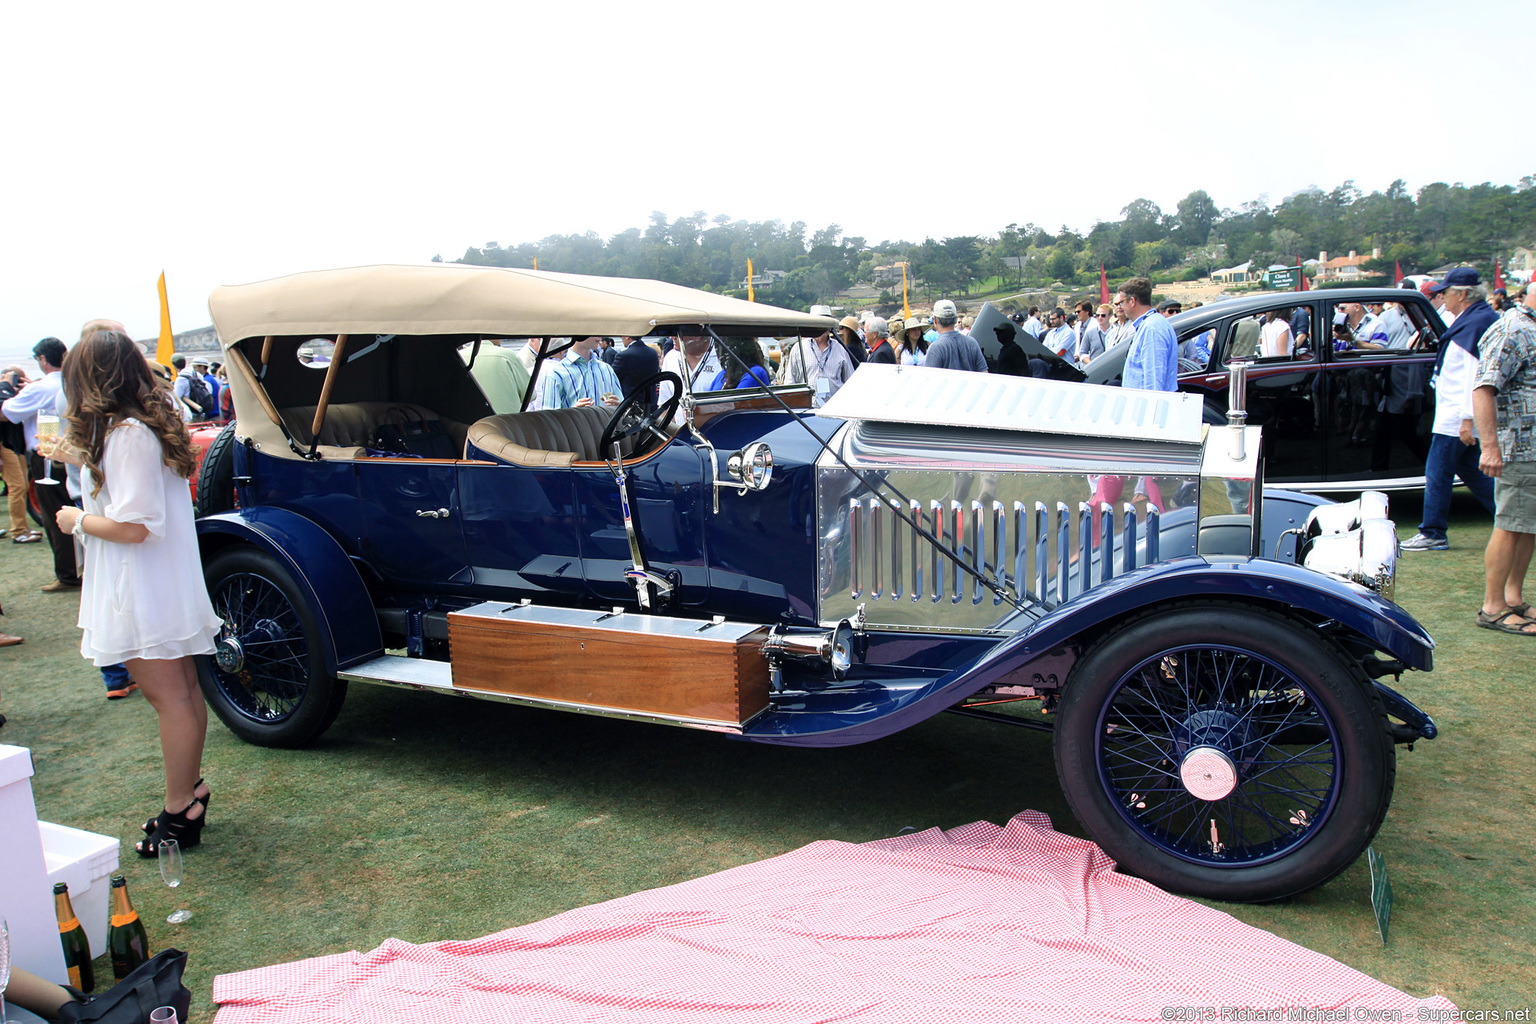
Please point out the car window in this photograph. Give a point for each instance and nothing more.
(1281, 334)
(1377, 330)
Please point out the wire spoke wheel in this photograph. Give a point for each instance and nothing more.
(267, 678)
(1224, 752)
(274, 671)
(1202, 751)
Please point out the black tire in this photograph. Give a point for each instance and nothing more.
(1221, 697)
(268, 681)
(216, 476)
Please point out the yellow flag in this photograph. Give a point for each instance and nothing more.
(906, 310)
(535, 263)
(167, 346)
(751, 295)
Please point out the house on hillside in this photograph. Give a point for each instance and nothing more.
(764, 280)
(891, 272)
(1240, 274)
(1343, 268)
(1523, 259)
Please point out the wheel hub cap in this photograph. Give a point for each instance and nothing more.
(228, 654)
(1208, 774)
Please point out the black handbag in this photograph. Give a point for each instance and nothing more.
(153, 984)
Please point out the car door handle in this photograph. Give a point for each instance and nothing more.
(427, 513)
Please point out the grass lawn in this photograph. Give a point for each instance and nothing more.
(424, 818)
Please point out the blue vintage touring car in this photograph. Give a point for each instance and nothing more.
(1093, 562)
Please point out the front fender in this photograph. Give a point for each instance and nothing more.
(337, 596)
(1379, 622)
(1258, 582)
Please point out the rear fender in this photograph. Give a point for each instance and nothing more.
(337, 596)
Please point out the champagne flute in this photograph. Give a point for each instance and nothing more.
(170, 872)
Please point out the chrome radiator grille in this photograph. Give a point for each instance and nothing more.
(1035, 555)
(1030, 513)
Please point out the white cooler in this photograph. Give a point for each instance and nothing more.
(26, 899)
(84, 861)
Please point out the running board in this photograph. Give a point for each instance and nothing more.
(696, 674)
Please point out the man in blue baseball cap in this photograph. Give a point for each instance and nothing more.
(1449, 456)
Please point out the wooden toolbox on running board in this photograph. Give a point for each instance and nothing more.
(686, 669)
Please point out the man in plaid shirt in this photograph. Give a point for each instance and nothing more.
(579, 379)
(1504, 410)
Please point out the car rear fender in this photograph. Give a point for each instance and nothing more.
(337, 596)
(1285, 587)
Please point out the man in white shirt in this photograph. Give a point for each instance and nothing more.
(1032, 326)
(694, 361)
(1061, 338)
(1449, 455)
(45, 396)
(819, 362)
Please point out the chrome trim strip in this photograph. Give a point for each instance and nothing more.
(978, 550)
(937, 509)
(1128, 562)
(917, 562)
(957, 545)
(1084, 547)
(1106, 542)
(876, 547)
(1063, 545)
(1000, 552)
(1042, 545)
(856, 541)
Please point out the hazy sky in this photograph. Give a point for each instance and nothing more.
(227, 143)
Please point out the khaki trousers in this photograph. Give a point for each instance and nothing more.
(14, 472)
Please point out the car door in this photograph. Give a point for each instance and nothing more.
(410, 520)
(1381, 404)
(1285, 391)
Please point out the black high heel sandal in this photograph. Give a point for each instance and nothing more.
(150, 825)
(188, 832)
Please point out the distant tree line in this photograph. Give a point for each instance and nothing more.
(1439, 224)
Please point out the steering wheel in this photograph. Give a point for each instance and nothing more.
(636, 417)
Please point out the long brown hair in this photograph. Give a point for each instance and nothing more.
(108, 381)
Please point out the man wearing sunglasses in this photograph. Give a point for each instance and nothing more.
(1090, 334)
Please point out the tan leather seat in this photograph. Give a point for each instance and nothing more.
(550, 437)
(350, 427)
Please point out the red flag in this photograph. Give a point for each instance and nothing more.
(1103, 286)
(1498, 275)
(1301, 274)
(1397, 274)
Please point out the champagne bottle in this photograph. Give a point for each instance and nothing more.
(77, 951)
(126, 938)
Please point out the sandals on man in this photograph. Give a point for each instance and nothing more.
(27, 537)
(1497, 623)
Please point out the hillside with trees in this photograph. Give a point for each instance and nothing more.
(1418, 231)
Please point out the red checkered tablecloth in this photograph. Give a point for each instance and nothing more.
(993, 923)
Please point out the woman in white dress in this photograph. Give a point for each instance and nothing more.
(143, 602)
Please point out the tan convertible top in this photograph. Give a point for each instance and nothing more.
(454, 298)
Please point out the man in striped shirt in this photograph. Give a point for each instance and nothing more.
(579, 379)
